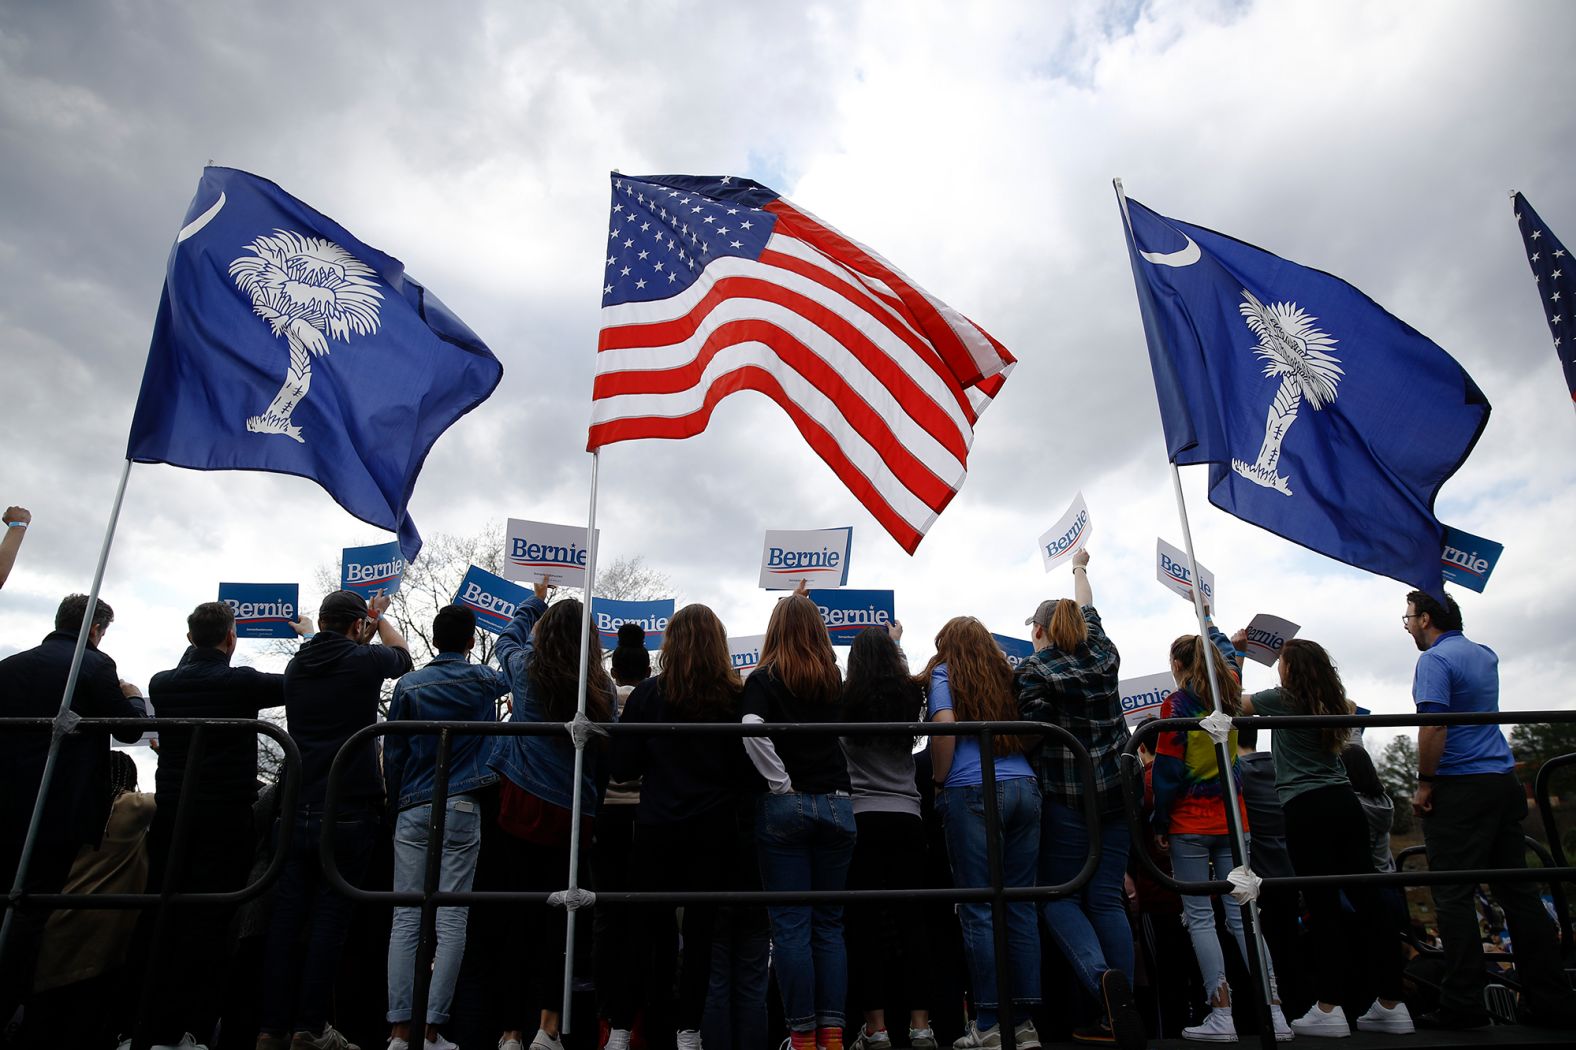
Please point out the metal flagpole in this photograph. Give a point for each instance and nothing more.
(572, 897)
(1257, 953)
(65, 718)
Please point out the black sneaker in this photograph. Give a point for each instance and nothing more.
(1127, 1028)
(1445, 1020)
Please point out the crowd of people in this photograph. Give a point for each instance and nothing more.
(1118, 962)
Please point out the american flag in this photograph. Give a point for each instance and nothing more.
(1549, 263)
(716, 284)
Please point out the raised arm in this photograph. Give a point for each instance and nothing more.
(514, 645)
(16, 520)
(1083, 594)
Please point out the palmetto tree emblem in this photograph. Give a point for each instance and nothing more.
(310, 291)
(1291, 347)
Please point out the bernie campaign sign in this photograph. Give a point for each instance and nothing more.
(819, 557)
(745, 652)
(262, 610)
(1468, 559)
(1142, 697)
(1068, 536)
(492, 598)
(846, 613)
(372, 572)
(1266, 635)
(540, 552)
(1171, 569)
(1016, 650)
(609, 614)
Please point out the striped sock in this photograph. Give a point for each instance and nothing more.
(802, 1040)
(829, 1038)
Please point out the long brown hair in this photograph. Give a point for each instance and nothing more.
(979, 676)
(555, 666)
(798, 651)
(698, 679)
(1314, 687)
(1067, 629)
(1194, 676)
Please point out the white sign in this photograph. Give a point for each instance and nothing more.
(1266, 635)
(1142, 697)
(538, 552)
(1171, 569)
(819, 556)
(745, 653)
(1068, 536)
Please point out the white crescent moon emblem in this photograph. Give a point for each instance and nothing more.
(1186, 257)
(191, 228)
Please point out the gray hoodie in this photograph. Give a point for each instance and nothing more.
(1380, 811)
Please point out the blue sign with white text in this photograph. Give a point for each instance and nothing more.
(374, 571)
(846, 613)
(653, 617)
(492, 598)
(1015, 649)
(262, 610)
(1468, 559)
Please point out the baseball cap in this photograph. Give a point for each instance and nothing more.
(1042, 614)
(342, 605)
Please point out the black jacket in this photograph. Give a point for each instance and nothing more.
(204, 685)
(31, 685)
(332, 686)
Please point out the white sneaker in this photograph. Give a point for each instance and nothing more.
(1394, 1020)
(510, 1044)
(973, 1038)
(1321, 1025)
(1218, 1027)
(1283, 1032)
(868, 1040)
(687, 1039)
(439, 1043)
(923, 1039)
(1026, 1036)
(396, 1043)
(543, 1041)
(188, 1042)
(617, 1039)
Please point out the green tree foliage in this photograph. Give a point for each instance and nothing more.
(1536, 743)
(1397, 768)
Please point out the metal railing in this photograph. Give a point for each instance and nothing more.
(430, 898)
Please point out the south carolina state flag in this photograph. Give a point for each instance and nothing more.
(1323, 418)
(285, 344)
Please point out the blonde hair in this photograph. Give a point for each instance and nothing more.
(1068, 629)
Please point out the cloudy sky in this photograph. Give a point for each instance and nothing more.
(972, 144)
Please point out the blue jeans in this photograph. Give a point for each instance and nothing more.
(462, 840)
(1191, 858)
(806, 843)
(735, 1017)
(962, 812)
(296, 998)
(1090, 927)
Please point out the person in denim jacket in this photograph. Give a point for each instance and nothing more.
(449, 689)
(540, 654)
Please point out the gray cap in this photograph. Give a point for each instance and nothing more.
(1042, 614)
(342, 604)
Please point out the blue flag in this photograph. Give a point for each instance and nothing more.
(1324, 419)
(285, 344)
(1556, 288)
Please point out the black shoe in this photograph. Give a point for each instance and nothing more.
(1445, 1020)
(1127, 1028)
(1099, 1033)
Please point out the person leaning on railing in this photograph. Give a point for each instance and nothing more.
(1071, 681)
(968, 680)
(1327, 834)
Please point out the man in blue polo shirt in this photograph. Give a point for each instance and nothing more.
(1472, 805)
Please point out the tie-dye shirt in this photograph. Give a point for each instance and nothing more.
(1188, 795)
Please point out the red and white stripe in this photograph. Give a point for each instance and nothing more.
(884, 381)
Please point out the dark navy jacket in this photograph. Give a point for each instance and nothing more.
(332, 687)
(204, 685)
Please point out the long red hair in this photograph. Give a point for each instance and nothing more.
(978, 675)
